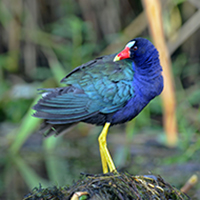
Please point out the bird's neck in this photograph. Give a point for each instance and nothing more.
(148, 78)
(148, 68)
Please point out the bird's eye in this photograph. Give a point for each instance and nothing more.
(135, 48)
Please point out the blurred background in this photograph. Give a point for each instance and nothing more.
(41, 41)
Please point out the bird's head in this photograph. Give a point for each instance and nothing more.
(138, 49)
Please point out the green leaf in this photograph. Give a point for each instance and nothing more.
(31, 178)
(57, 167)
(28, 125)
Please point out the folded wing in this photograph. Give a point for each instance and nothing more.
(99, 86)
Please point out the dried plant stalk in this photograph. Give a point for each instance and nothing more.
(154, 17)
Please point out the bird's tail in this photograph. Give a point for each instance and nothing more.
(52, 129)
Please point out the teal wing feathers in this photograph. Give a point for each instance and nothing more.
(99, 86)
(104, 80)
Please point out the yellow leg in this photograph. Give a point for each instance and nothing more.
(105, 155)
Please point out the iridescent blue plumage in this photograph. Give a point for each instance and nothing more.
(103, 91)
